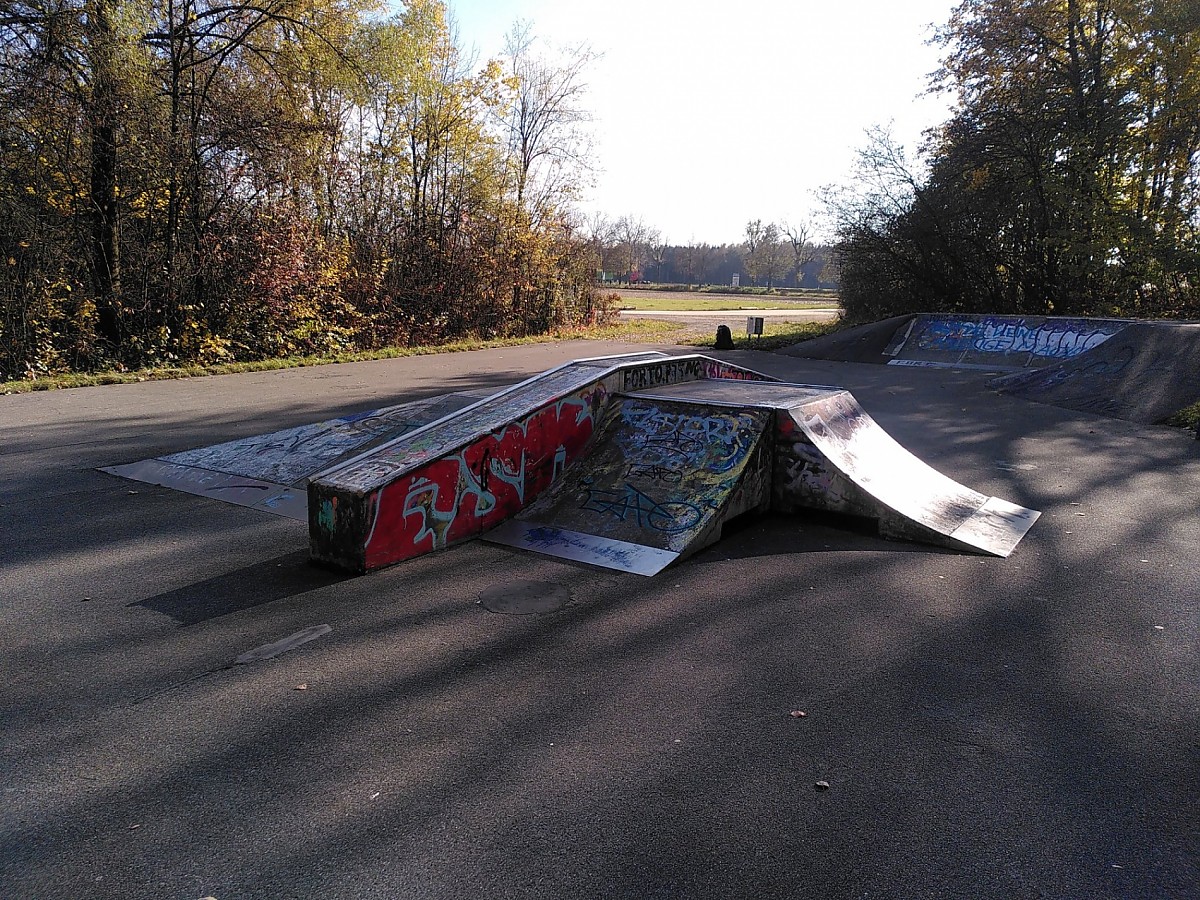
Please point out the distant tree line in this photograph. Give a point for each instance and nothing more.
(188, 180)
(772, 256)
(1067, 180)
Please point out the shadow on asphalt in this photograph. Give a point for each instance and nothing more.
(754, 535)
(280, 578)
(989, 728)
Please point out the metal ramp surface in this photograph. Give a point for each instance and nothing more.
(832, 456)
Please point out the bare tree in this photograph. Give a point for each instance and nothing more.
(772, 255)
(597, 231)
(633, 237)
(755, 229)
(545, 121)
(803, 251)
(656, 250)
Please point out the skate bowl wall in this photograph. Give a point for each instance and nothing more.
(941, 340)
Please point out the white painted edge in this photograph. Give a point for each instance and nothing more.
(490, 398)
(579, 547)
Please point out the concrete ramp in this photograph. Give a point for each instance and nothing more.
(960, 341)
(630, 462)
(658, 484)
(995, 342)
(1148, 372)
(270, 472)
(859, 343)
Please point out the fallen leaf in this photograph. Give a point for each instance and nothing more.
(798, 714)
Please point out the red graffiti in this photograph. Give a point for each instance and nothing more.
(715, 369)
(488, 481)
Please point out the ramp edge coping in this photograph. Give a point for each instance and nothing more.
(631, 359)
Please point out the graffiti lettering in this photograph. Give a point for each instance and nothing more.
(669, 517)
(455, 496)
(1039, 338)
(660, 438)
(716, 369)
(654, 473)
(545, 538)
(657, 374)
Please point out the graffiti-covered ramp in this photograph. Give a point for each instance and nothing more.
(475, 468)
(662, 478)
(673, 464)
(1148, 372)
(942, 340)
(270, 472)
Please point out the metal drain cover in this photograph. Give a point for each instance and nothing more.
(525, 598)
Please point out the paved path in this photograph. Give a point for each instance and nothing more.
(987, 727)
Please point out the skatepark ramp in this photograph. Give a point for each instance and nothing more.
(630, 462)
(270, 472)
(661, 480)
(471, 470)
(1144, 374)
(1140, 371)
(942, 340)
(672, 464)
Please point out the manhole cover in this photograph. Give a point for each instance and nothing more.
(525, 598)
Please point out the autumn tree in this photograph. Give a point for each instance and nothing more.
(1066, 181)
(187, 180)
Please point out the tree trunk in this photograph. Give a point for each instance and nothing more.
(105, 247)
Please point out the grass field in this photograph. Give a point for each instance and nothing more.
(707, 304)
(677, 301)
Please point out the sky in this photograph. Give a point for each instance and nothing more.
(709, 115)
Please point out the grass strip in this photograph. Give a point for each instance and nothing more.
(774, 337)
(643, 330)
(729, 304)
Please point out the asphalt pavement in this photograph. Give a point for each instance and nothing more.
(973, 727)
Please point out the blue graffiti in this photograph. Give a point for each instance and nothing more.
(628, 503)
(1055, 339)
